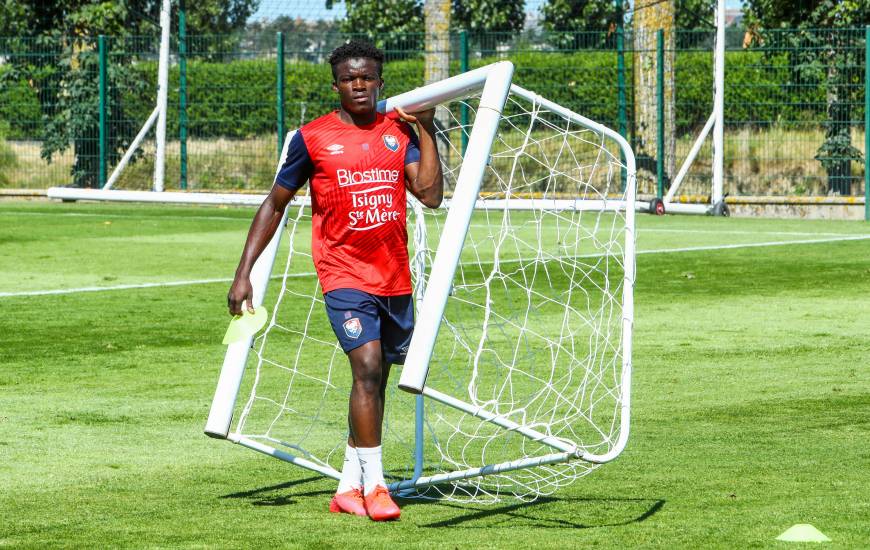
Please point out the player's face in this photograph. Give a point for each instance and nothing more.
(358, 85)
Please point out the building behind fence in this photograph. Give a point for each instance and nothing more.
(794, 112)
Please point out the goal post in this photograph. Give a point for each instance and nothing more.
(465, 194)
(521, 357)
(715, 125)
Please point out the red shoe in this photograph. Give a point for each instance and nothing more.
(350, 502)
(380, 506)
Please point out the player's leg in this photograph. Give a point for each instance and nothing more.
(367, 415)
(348, 496)
(355, 322)
(396, 327)
(367, 394)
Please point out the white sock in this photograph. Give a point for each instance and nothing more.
(372, 467)
(351, 473)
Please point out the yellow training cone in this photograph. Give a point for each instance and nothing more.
(246, 324)
(803, 532)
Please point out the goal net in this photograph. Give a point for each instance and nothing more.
(527, 385)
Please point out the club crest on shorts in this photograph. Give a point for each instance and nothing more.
(353, 328)
(391, 142)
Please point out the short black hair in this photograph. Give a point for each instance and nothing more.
(354, 49)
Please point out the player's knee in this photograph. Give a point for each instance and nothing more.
(368, 375)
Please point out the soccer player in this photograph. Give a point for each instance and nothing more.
(359, 164)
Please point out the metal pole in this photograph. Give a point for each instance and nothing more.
(162, 98)
(101, 43)
(660, 112)
(719, 105)
(866, 124)
(463, 67)
(418, 435)
(182, 92)
(279, 37)
(620, 86)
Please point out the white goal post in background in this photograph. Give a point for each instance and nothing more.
(716, 123)
(524, 317)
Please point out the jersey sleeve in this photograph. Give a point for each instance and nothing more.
(412, 153)
(297, 167)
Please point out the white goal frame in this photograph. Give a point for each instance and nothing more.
(716, 123)
(495, 82)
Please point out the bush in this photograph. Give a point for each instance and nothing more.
(7, 156)
(237, 99)
(19, 107)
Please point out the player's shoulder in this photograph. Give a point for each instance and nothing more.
(318, 123)
(319, 133)
(398, 125)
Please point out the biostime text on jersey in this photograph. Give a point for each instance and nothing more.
(372, 207)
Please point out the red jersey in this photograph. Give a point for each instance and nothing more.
(359, 238)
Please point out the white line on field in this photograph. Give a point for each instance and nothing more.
(248, 220)
(311, 274)
(753, 245)
(738, 232)
(130, 216)
(642, 230)
(136, 285)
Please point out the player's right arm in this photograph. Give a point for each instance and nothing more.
(295, 170)
(262, 229)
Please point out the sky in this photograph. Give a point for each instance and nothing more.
(315, 9)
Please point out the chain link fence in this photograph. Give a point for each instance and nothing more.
(794, 103)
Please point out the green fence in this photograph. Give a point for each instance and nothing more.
(794, 110)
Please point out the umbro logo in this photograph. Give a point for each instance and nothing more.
(335, 149)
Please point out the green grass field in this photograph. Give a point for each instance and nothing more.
(751, 396)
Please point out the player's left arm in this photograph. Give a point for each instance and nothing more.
(424, 179)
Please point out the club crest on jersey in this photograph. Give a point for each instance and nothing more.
(391, 142)
(353, 328)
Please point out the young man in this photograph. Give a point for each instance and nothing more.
(359, 164)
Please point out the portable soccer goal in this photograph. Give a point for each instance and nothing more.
(518, 374)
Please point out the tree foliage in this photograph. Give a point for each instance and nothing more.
(397, 18)
(488, 15)
(807, 14)
(695, 14)
(303, 39)
(392, 25)
(117, 17)
(565, 18)
(579, 15)
(65, 68)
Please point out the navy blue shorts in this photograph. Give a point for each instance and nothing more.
(358, 317)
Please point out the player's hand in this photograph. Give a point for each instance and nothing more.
(422, 117)
(240, 292)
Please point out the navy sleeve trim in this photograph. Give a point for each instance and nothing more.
(297, 167)
(412, 153)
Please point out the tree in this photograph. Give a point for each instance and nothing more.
(397, 18)
(437, 58)
(395, 25)
(695, 14)
(64, 68)
(479, 16)
(578, 15)
(820, 52)
(649, 17)
(303, 39)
